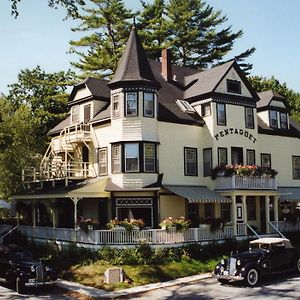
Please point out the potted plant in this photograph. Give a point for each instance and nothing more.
(126, 224)
(178, 224)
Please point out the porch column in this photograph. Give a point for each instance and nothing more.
(233, 210)
(245, 209)
(267, 208)
(34, 215)
(276, 198)
(75, 201)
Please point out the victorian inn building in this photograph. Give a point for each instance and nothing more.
(143, 145)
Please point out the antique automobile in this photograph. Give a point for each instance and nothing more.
(18, 267)
(265, 256)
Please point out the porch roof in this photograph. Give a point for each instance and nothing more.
(289, 194)
(197, 193)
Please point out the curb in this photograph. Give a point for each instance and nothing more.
(101, 294)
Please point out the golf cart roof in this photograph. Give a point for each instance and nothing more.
(282, 241)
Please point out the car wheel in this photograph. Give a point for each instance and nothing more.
(19, 285)
(223, 281)
(252, 277)
(298, 264)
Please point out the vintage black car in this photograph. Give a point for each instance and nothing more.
(18, 267)
(265, 256)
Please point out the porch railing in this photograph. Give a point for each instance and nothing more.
(59, 170)
(245, 182)
(285, 226)
(123, 237)
(76, 133)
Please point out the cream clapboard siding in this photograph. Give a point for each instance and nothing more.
(171, 206)
(173, 138)
(232, 74)
(281, 149)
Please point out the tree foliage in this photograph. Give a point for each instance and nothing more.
(45, 95)
(70, 5)
(191, 28)
(261, 84)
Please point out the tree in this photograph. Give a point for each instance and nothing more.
(70, 5)
(190, 27)
(45, 95)
(261, 84)
(18, 145)
(109, 27)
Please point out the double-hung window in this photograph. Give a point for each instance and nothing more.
(207, 162)
(132, 157)
(116, 106)
(273, 119)
(131, 104)
(116, 158)
(103, 161)
(296, 167)
(250, 157)
(149, 157)
(266, 160)
(283, 121)
(233, 86)
(190, 162)
(75, 114)
(222, 156)
(249, 117)
(221, 114)
(149, 105)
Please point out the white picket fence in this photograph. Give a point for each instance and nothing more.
(135, 237)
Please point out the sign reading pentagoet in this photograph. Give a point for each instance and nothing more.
(229, 131)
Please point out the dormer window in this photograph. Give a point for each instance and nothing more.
(131, 104)
(233, 86)
(205, 110)
(283, 121)
(75, 114)
(273, 119)
(149, 105)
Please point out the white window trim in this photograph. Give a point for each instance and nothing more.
(138, 158)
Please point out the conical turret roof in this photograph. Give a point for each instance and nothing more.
(133, 66)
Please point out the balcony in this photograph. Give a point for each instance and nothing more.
(58, 171)
(236, 182)
(76, 133)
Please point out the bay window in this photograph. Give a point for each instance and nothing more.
(131, 104)
(149, 105)
(132, 157)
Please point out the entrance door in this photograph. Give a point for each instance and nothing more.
(237, 156)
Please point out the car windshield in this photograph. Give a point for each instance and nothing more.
(263, 246)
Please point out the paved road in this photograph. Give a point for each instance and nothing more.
(279, 287)
(6, 293)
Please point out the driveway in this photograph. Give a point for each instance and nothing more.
(279, 287)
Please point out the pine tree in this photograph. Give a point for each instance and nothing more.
(194, 37)
(109, 27)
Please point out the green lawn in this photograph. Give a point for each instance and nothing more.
(92, 274)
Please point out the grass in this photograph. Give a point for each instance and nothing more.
(93, 273)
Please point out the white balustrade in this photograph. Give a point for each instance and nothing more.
(246, 182)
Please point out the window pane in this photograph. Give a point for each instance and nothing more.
(296, 167)
(75, 114)
(102, 161)
(222, 156)
(249, 117)
(148, 104)
(266, 160)
(283, 121)
(273, 119)
(116, 158)
(221, 118)
(250, 157)
(191, 162)
(131, 104)
(131, 157)
(116, 106)
(149, 157)
(207, 164)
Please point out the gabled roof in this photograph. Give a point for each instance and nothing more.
(206, 82)
(98, 88)
(267, 97)
(133, 66)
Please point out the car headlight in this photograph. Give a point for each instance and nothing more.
(32, 269)
(47, 269)
(238, 262)
(222, 262)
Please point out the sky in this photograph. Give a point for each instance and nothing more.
(40, 36)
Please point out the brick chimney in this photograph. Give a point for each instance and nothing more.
(166, 65)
